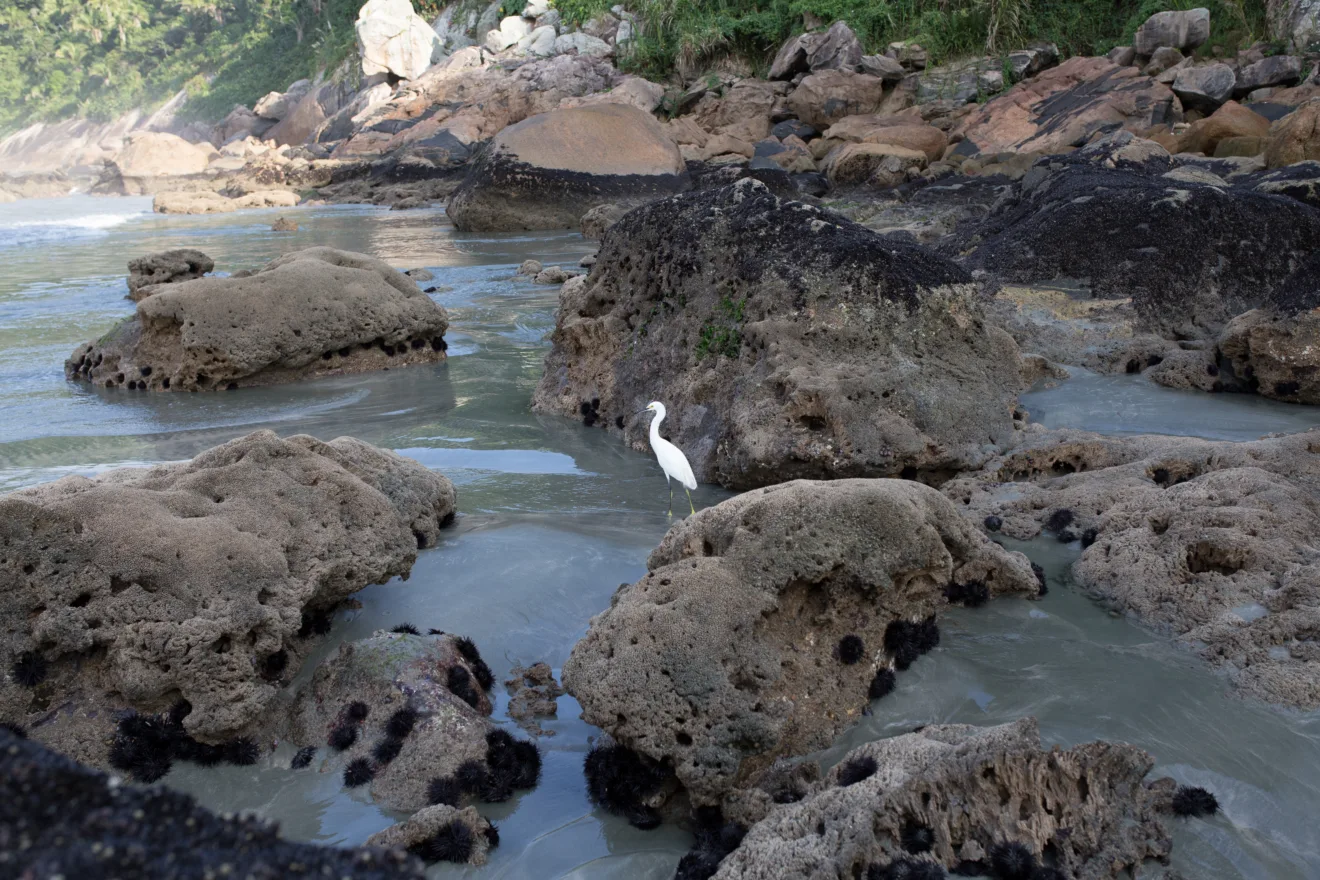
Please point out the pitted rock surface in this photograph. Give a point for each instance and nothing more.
(312, 312)
(786, 341)
(1211, 542)
(141, 586)
(388, 672)
(427, 821)
(60, 819)
(973, 788)
(722, 659)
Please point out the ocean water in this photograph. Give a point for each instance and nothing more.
(554, 516)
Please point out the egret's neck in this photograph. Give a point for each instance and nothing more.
(655, 427)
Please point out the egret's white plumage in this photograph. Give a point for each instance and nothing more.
(672, 460)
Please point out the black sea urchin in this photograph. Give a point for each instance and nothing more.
(972, 595)
(452, 843)
(1189, 801)
(851, 649)
(444, 790)
(1059, 520)
(854, 770)
(29, 669)
(492, 834)
(357, 710)
(917, 838)
(459, 683)
(1012, 861)
(342, 737)
(619, 780)
(406, 629)
(470, 776)
(242, 751)
(303, 758)
(358, 772)
(401, 723)
(386, 750)
(882, 684)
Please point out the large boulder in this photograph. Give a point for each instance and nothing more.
(763, 622)
(1065, 106)
(207, 202)
(276, 105)
(834, 49)
(787, 341)
(312, 312)
(1179, 29)
(61, 819)
(972, 789)
(190, 581)
(393, 38)
(547, 171)
(1276, 70)
(1232, 120)
(896, 130)
(1295, 22)
(1205, 87)
(311, 112)
(166, 267)
(1275, 350)
(1189, 254)
(825, 97)
(1295, 137)
(1212, 542)
(149, 159)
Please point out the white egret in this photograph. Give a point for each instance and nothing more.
(672, 460)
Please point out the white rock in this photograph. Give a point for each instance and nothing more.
(625, 32)
(535, 8)
(511, 30)
(582, 44)
(540, 42)
(393, 38)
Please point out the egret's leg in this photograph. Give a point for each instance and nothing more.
(689, 495)
(671, 497)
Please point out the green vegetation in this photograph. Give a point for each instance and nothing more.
(99, 58)
(722, 334)
(688, 36)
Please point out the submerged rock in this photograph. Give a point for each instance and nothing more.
(533, 694)
(1211, 542)
(388, 674)
(166, 267)
(787, 342)
(312, 312)
(953, 793)
(193, 580)
(731, 652)
(60, 819)
(549, 170)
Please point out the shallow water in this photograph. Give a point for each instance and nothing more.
(555, 516)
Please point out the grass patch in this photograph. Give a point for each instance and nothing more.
(722, 333)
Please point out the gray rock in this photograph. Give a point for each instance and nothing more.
(1188, 531)
(836, 49)
(390, 672)
(311, 312)
(1087, 805)
(1295, 22)
(145, 585)
(1181, 29)
(166, 267)
(1123, 56)
(600, 218)
(1279, 352)
(1205, 88)
(1277, 70)
(794, 354)
(1164, 58)
(725, 657)
(1028, 62)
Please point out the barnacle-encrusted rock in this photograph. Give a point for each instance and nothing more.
(722, 659)
(145, 585)
(312, 312)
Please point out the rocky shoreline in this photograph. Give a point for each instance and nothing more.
(841, 278)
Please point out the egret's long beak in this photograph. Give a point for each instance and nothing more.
(641, 411)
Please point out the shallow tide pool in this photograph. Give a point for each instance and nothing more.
(554, 516)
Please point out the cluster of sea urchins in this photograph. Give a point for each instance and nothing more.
(146, 746)
(397, 727)
(459, 680)
(621, 781)
(511, 765)
(715, 839)
(906, 640)
(453, 842)
(1006, 861)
